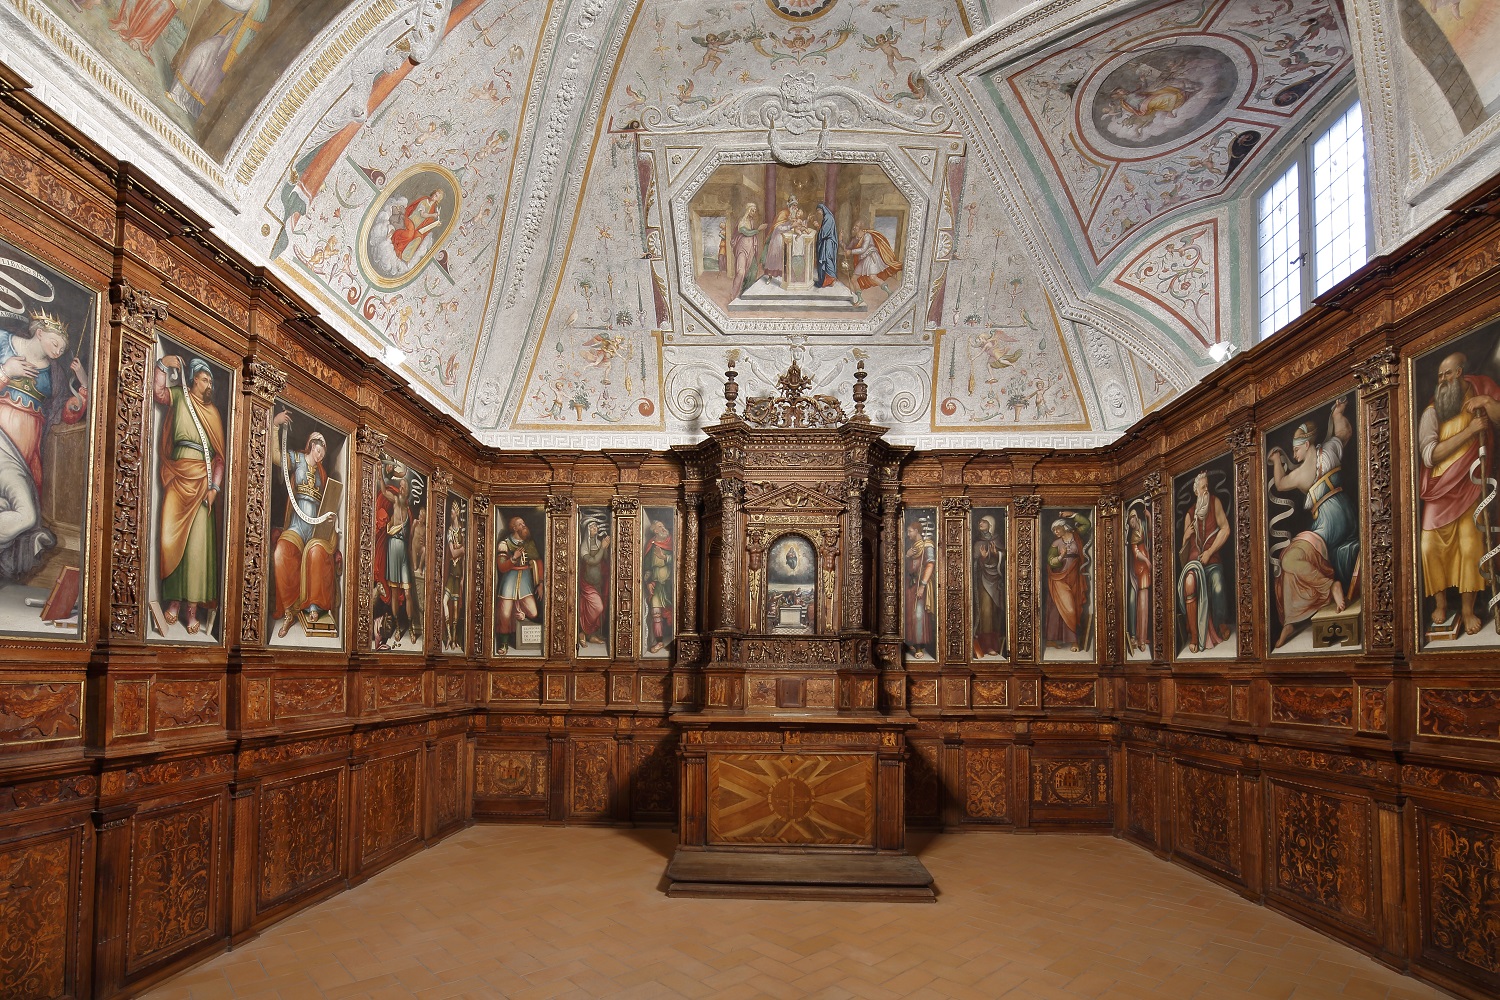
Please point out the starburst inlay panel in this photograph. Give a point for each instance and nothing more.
(788, 799)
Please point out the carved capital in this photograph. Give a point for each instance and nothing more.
(1029, 506)
(369, 442)
(732, 490)
(442, 480)
(1242, 438)
(1109, 505)
(1152, 485)
(482, 506)
(559, 504)
(1377, 372)
(625, 506)
(955, 506)
(136, 309)
(263, 381)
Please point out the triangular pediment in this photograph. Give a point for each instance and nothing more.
(792, 496)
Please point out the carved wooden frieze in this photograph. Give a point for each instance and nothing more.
(1377, 377)
(480, 539)
(1242, 443)
(128, 520)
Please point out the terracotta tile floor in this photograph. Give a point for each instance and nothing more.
(530, 912)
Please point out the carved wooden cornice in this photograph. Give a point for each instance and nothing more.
(262, 380)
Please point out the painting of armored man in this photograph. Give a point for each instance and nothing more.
(454, 553)
(1456, 406)
(1068, 583)
(310, 460)
(595, 590)
(658, 580)
(190, 426)
(520, 580)
(987, 554)
(919, 583)
(1313, 528)
(400, 563)
(1138, 566)
(48, 326)
(1204, 547)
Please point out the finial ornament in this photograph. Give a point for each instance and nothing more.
(731, 387)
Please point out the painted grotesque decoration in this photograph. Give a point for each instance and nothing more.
(1138, 568)
(454, 556)
(1068, 584)
(1456, 406)
(1313, 527)
(1203, 540)
(791, 586)
(520, 580)
(658, 580)
(595, 582)
(191, 423)
(988, 567)
(919, 583)
(400, 563)
(311, 466)
(47, 332)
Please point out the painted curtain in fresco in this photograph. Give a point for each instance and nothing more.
(987, 571)
(595, 597)
(48, 327)
(658, 580)
(919, 583)
(309, 526)
(189, 463)
(1313, 511)
(520, 580)
(1137, 565)
(400, 564)
(1203, 543)
(1068, 583)
(453, 553)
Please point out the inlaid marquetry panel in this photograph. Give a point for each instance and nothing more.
(1459, 894)
(1140, 794)
(520, 774)
(1321, 853)
(174, 890)
(987, 784)
(298, 835)
(389, 805)
(1206, 823)
(790, 799)
(38, 894)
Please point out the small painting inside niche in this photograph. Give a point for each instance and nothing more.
(310, 467)
(1204, 544)
(400, 566)
(520, 580)
(658, 580)
(791, 586)
(715, 242)
(1068, 591)
(987, 549)
(919, 583)
(455, 557)
(1138, 567)
(595, 593)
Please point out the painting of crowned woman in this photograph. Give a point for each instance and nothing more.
(48, 325)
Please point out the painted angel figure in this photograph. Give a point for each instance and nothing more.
(715, 44)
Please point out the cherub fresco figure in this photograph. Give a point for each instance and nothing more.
(885, 42)
(715, 44)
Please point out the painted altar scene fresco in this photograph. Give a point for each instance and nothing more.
(205, 64)
(791, 586)
(520, 580)
(595, 597)
(454, 553)
(399, 590)
(988, 567)
(48, 326)
(919, 584)
(189, 459)
(1203, 541)
(658, 580)
(309, 526)
(1137, 562)
(1313, 529)
(799, 242)
(1457, 43)
(1068, 583)
(1456, 406)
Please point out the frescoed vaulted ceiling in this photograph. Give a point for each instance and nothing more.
(557, 217)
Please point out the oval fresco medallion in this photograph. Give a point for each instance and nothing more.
(407, 223)
(1160, 97)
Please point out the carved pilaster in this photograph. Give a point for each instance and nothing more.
(956, 578)
(1242, 442)
(368, 444)
(732, 493)
(890, 565)
(1156, 493)
(688, 607)
(1377, 389)
(1108, 554)
(627, 573)
(854, 553)
(479, 541)
(1027, 510)
(560, 551)
(261, 385)
(437, 561)
(134, 313)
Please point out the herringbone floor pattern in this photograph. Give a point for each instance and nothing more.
(529, 912)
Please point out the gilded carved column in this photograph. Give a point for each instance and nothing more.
(1027, 509)
(1246, 470)
(1156, 496)
(854, 553)
(956, 578)
(559, 579)
(1107, 553)
(133, 315)
(1377, 379)
(261, 385)
(687, 608)
(368, 444)
(733, 493)
(479, 541)
(627, 573)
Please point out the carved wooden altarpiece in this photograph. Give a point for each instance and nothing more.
(792, 767)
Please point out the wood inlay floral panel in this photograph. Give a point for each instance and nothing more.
(173, 894)
(788, 799)
(1208, 818)
(1460, 896)
(35, 916)
(512, 774)
(298, 836)
(1321, 851)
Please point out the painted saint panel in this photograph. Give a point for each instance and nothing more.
(309, 528)
(520, 580)
(454, 553)
(407, 223)
(48, 326)
(595, 598)
(1068, 583)
(400, 563)
(1313, 526)
(987, 552)
(919, 584)
(658, 580)
(791, 586)
(1137, 590)
(1456, 405)
(190, 455)
(1204, 546)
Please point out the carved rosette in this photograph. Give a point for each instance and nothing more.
(1109, 523)
(261, 384)
(368, 444)
(626, 511)
(135, 314)
(560, 524)
(1027, 510)
(1377, 390)
(956, 578)
(480, 541)
(1242, 442)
